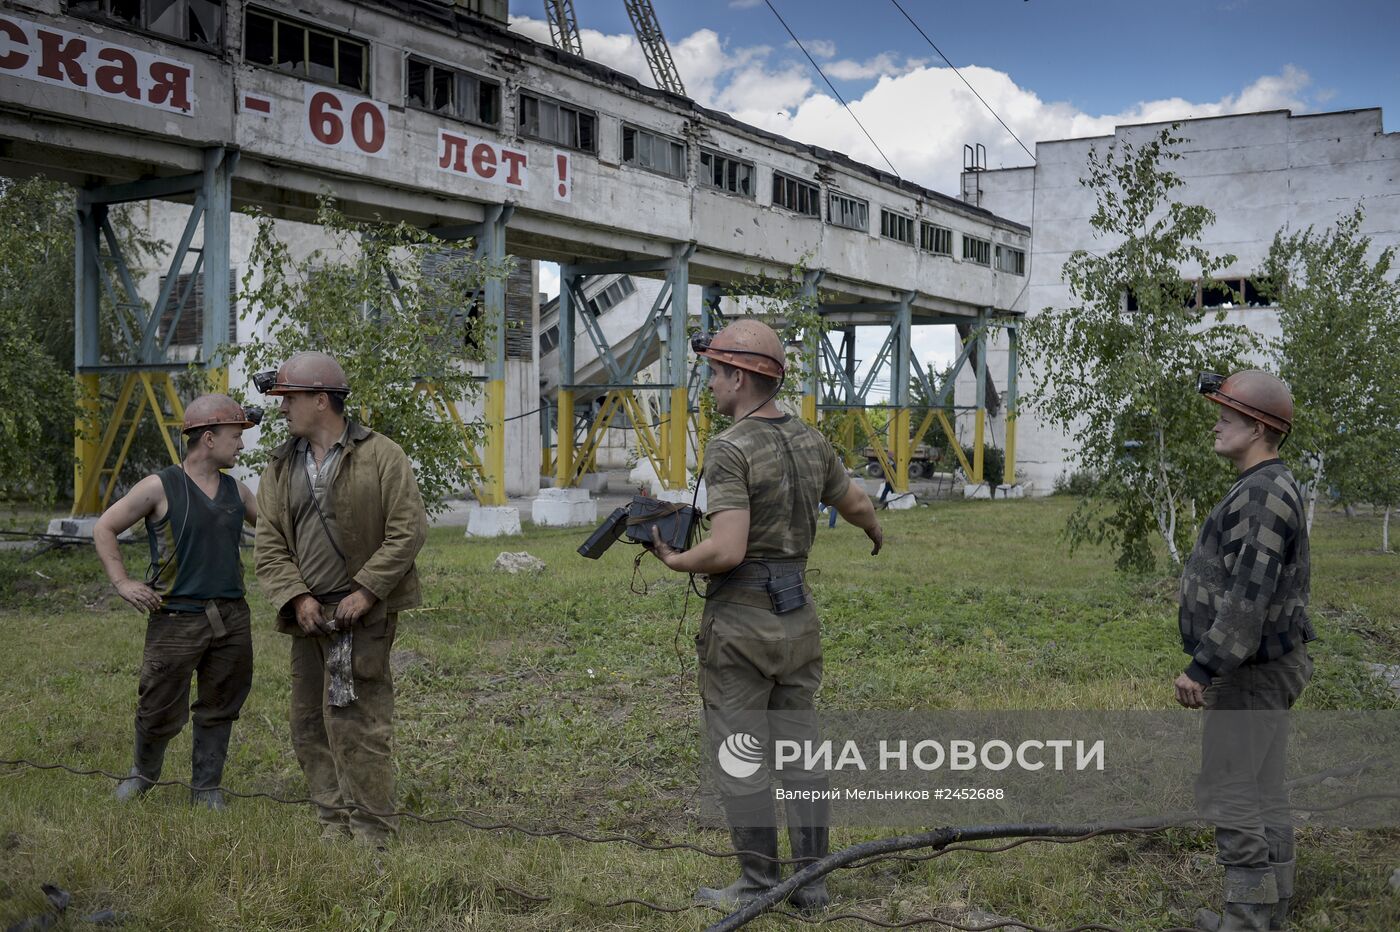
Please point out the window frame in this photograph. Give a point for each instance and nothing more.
(1020, 254)
(976, 241)
(654, 135)
(143, 27)
(890, 217)
(559, 104)
(337, 36)
(454, 111)
(801, 185)
(831, 216)
(706, 173)
(928, 238)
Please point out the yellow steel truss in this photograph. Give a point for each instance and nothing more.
(90, 493)
(471, 457)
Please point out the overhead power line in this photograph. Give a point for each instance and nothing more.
(964, 80)
(833, 89)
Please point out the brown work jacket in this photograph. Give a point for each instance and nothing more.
(379, 516)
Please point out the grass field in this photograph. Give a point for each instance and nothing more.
(560, 700)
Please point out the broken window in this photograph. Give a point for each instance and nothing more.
(549, 339)
(935, 239)
(1011, 260)
(649, 150)
(849, 212)
(289, 46)
(189, 325)
(430, 86)
(793, 194)
(977, 250)
(557, 122)
(726, 173)
(199, 22)
(896, 226)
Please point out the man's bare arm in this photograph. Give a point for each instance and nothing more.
(856, 508)
(146, 499)
(723, 550)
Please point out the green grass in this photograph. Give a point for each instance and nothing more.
(559, 700)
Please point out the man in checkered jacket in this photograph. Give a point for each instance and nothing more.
(1243, 619)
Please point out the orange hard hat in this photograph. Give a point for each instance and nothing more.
(745, 344)
(213, 410)
(1253, 393)
(304, 372)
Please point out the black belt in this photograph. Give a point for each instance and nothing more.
(754, 574)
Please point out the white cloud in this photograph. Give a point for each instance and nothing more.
(886, 63)
(920, 115)
(820, 48)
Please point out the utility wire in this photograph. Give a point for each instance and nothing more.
(833, 89)
(964, 80)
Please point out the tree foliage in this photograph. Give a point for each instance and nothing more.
(1339, 313)
(1121, 381)
(398, 309)
(36, 340)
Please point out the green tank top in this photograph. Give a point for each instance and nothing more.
(194, 548)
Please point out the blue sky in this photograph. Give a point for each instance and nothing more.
(1101, 56)
(1052, 69)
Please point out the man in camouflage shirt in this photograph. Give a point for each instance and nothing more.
(1243, 620)
(760, 669)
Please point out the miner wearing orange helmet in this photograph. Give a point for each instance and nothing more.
(1244, 621)
(198, 621)
(760, 640)
(342, 523)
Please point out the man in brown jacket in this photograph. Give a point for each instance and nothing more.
(341, 523)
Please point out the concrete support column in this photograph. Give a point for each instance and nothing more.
(677, 423)
(219, 164)
(709, 314)
(493, 247)
(811, 389)
(87, 425)
(980, 417)
(899, 393)
(1012, 341)
(564, 454)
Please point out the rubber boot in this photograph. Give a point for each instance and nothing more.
(809, 833)
(1250, 896)
(1283, 877)
(207, 757)
(752, 830)
(148, 757)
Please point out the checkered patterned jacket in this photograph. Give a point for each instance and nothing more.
(1244, 593)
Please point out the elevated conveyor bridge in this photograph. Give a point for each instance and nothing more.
(435, 114)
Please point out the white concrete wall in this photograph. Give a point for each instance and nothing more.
(1259, 172)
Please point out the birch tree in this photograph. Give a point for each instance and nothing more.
(1116, 369)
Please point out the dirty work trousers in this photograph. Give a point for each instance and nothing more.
(180, 646)
(1244, 749)
(759, 675)
(347, 753)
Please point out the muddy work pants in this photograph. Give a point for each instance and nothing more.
(759, 675)
(214, 647)
(347, 753)
(1244, 748)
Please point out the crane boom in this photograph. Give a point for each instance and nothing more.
(563, 26)
(654, 46)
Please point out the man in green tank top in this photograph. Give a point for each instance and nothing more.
(193, 593)
(764, 477)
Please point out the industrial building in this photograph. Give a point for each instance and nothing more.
(1259, 172)
(523, 148)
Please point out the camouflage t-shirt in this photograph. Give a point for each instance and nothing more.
(777, 469)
